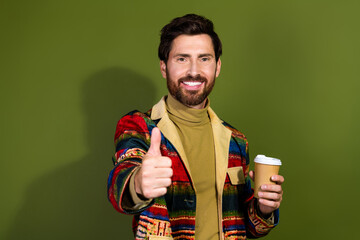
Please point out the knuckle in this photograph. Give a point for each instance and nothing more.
(278, 197)
(171, 171)
(163, 192)
(168, 172)
(146, 174)
(168, 182)
(160, 192)
(166, 161)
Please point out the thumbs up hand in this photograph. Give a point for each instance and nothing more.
(155, 173)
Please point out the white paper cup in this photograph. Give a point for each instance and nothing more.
(265, 167)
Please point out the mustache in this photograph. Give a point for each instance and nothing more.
(197, 78)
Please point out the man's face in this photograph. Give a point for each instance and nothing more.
(191, 69)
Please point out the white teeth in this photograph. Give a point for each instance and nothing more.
(192, 83)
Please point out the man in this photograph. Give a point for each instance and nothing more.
(182, 171)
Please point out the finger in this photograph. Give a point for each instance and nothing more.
(252, 175)
(154, 149)
(156, 192)
(162, 173)
(157, 162)
(270, 196)
(162, 162)
(278, 179)
(162, 182)
(269, 203)
(271, 188)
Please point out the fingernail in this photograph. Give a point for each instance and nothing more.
(263, 187)
(260, 194)
(273, 178)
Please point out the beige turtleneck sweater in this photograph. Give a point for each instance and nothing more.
(195, 131)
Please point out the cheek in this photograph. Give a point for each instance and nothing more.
(210, 72)
(176, 72)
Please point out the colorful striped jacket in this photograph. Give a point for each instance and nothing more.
(173, 215)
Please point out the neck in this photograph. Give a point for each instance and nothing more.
(187, 115)
(198, 106)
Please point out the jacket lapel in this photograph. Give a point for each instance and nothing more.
(222, 137)
(168, 129)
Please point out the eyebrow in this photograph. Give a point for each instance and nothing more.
(188, 55)
(182, 55)
(206, 55)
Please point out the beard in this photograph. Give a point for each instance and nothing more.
(190, 97)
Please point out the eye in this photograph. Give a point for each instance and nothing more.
(181, 59)
(205, 59)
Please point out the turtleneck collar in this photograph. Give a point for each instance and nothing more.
(178, 112)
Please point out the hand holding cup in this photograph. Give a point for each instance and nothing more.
(267, 187)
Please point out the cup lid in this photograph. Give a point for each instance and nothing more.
(267, 160)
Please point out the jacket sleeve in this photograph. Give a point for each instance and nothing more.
(256, 225)
(132, 140)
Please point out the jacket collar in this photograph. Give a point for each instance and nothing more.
(159, 109)
(222, 136)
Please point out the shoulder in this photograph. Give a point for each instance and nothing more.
(136, 114)
(238, 141)
(134, 121)
(238, 137)
(235, 133)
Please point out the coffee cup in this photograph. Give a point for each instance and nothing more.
(265, 167)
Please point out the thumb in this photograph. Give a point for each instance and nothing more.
(154, 149)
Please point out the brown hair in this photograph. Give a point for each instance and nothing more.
(190, 24)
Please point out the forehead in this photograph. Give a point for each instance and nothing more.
(192, 44)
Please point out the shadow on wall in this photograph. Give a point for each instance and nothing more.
(71, 202)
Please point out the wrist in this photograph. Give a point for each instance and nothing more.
(261, 213)
(137, 181)
(137, 185)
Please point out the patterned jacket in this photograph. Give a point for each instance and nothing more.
(173, 215)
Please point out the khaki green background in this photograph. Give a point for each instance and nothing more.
(71, 69)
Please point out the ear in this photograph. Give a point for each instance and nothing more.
(218, 67)
(163, 68)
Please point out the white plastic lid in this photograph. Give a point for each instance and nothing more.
(267, 160)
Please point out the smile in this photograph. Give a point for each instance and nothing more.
(191, 84)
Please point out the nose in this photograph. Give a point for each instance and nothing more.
(194, 69)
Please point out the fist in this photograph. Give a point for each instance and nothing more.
(155, 172)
